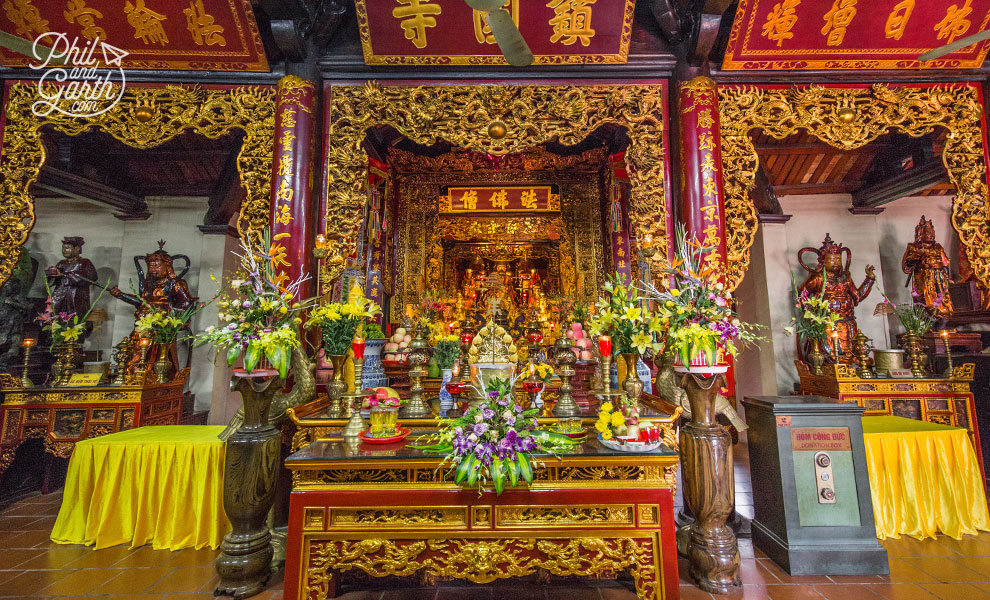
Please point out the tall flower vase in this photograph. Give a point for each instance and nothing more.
(446, 400)
(706, 466)
(67, 355)
(633, 387)
(816, 358)
(162, 364)
(250, 469)
(373, 375)
(336, 387)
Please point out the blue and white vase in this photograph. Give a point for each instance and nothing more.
(446, 399)
(373, 375)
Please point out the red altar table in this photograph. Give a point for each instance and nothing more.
(388, 511)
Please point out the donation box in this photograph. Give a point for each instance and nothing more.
(811, 492)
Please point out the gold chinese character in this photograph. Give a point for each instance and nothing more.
(706, 142)
(708, 163)
(76, 11)
(622, 264)
(483, 33)
(25, 17)
(897, 20)
(284, 215)
(780, 21)
(955, 22)
(620, 252)
(711, 230)
(500, 199)
(470, 199)
(709, 210)
(837, 19)
(287, 139)
(413, 21)
(202, 26)
(289, 117)
(374, 279)
(284, 192)
(618, 239)
(709, 186)
(571, 21)
(285, 165)
(147, 23)
(705, 119)
(529, 199)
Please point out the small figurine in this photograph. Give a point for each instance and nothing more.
(832, 276)
(926, 262)
(70, 278)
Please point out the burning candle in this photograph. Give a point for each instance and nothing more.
(145, 342)
(451, 326)
(605, 345)
(321, 240)
(456, 370)
(358, 346)
(28, 342)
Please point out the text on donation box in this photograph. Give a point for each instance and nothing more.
(824, 477)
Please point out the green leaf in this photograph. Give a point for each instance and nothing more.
(251, 357)
(232, 353)
(498, 476)
(473, 469)
(525, 469)
(513, 468)
(462, 470)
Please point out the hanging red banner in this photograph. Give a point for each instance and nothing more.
(208, 35)
(449, 32)
(854, 34)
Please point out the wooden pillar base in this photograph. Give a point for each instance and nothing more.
(709, 489)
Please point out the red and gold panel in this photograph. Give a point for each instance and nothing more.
(854, 34)
(499, 199)
(216, 35)
(449, 32)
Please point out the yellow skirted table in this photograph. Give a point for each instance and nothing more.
(160, 485)
(924, 478)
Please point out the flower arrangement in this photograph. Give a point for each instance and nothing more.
(64, 327)
(163, 326)
(914, 317)
(542, 371)
(622, 315)
(815, 318)
(259, 311)
(696, 313)
(495, 440)
(373, 331)
(339, 322)
(446, 349)
(430, 310)
(611, 421)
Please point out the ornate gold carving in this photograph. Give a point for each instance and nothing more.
(649, 514)
(98, 430)
(428, 516)
(825, 113)
(533, 114)
(481, 517)
(625, 473)
(59, 448)
(515, 516)
(482, 561)
(337, 476)
(210, 112)
(466, 161)
(314, 517)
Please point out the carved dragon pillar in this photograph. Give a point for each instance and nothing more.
(292, 179)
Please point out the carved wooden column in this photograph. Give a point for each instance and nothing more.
(709, 489)
(706, 447)
(292, 178)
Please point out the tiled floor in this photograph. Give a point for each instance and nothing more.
(33, 567)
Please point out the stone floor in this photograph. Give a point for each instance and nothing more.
(33, 567)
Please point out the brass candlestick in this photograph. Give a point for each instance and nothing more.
(948, 354)
(142, 366)
(564, 357)
(606, 374)
(418, 357)
(25, 380)
(861, 352)
(355, 423)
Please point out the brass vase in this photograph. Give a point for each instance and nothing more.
(633, 385)
(565, 359)
(67, 355)
(336, 387)
(250, 469)
(816, 358)
(162, 364)
(912, 347)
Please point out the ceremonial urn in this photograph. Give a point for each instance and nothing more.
(816, 358)
(418, 357)
(709, 488)
(162, 364)
(916, 358)
(67, 354)
(336, 387)
(250, 468)
(565, 358)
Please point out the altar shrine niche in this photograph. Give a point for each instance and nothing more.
(831, 275)
(927, 268)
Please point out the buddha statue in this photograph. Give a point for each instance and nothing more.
(927, 268)
(831, 276)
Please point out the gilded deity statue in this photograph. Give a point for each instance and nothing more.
(927, 264)
(831, 275)
(70, 278)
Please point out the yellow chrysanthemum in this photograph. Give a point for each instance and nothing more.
(618, 419)
(606, 435)
(601, 427)
(607, 407)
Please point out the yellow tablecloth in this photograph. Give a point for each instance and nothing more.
(923, 478)
(160, 485)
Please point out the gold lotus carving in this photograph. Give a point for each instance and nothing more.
(848, 118)
(209, 112)
(533, 115)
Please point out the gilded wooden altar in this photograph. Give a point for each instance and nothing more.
(62, 416)
(935, 400)
(389, 511)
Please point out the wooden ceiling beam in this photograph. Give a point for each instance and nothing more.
(901, 185)
(815, 148)
(126, 206)
(808, 189)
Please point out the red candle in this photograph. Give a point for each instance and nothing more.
(605, 345)
(358, 347)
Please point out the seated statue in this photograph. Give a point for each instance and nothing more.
(832, 276)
